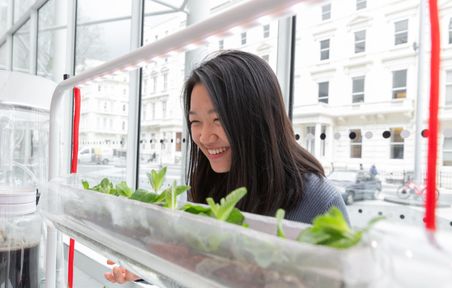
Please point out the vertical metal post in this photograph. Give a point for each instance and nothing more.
(198, 10)
(9, 40)
(423, 22)
(133, 133)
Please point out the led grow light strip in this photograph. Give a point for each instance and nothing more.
(246, 15)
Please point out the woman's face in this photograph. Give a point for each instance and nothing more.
(207, 131)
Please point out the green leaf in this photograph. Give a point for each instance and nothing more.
(222, 210)
(144, 196)
(196, 209)
(156, 178)
(122, 189)
(279, 218)
(236, 217)
(85, 184)
(105, 186)
(331, 229)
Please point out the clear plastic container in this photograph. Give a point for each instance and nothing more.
(20, 234)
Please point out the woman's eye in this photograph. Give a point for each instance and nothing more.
(194, 122)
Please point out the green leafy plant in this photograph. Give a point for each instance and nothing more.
(279, 217)
(332, 230)
(166, 198)
(223, 211)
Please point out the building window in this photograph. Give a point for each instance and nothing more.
(165, 81)
(360, 41)
(123, 125)
(310, 139)
(221, 44)
(164, 109)
(361, 4)
(356, 143)
(266, 30)
(401, 32)
(397, 143)
(154, 84)
(449, 87)
(323, 92)
(153, 111)
(450, 31)
(447, 151)
(358, 89)
(266, 57)
(99, 88)
(243, 38)
(326, 12)
(325, 49)
(399, 84)
(124, 108)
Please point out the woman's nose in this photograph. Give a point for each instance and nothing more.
(208, 135)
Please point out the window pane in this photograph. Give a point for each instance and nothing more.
(3, 60)
(449, 95)
(20, 7)
(399, 79)
(358, 84)
(21, 49)
(401, 26)
(89, 10)
(323, 92)
(397, 151)
(103, 128)
(326, 12)
(3, 15)
(361, 4)
(51, 40)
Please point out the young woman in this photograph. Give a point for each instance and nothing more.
(240, 135)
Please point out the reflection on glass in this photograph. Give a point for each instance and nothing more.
(399, 84)
(52, 40)
(3, 59)
(103, 127)
(89, 10)
(3, 15)
(20, 7)
(99, 43)
(21, 48)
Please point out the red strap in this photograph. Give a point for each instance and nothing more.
(430, 203)
(74, 161)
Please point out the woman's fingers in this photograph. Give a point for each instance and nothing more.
(110, 262)
(119, 274)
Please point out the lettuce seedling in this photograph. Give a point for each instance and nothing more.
(331, 229)
(224, 211)
(106, 186)
(279, 227)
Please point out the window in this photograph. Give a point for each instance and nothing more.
(164, 109)
(310, 139)
(356, 143)
(154, 84)
(401, 32)
(326, 12)
(243, 38)
(266, 30)
(358, 89)
(399, 84)
(447, 151)
(361, 4)
(123, 125)
(325, 49)
(360, 41)
(323, 92)
(124, 107)
(165, 81)
(397, 143)
(450, 31)
(153, 111)
(449, 87)
(221, 44)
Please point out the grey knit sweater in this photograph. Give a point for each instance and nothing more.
(318, 197)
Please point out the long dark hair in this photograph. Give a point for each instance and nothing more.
(266, 159)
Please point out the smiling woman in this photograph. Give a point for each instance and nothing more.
(242, 136)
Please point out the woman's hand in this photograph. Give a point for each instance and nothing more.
(119, 274)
